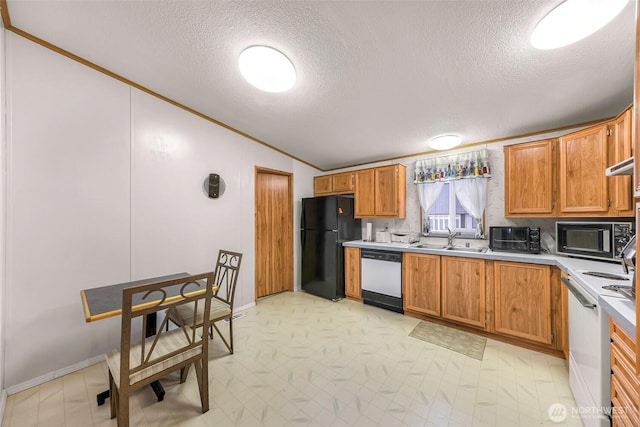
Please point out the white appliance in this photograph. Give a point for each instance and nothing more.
(381, 278)
(589, 346)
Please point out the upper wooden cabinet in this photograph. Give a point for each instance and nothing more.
(421, 281)
(529, 182)
(378, 192)
(340, 183)
(381, 192)
(566, 177)
(365, 194)
(343, 182)
(584, 187)
(523, 301)
(464, 291)
(621, 148)
(322, 185)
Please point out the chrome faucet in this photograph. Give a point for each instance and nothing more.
(451, 236)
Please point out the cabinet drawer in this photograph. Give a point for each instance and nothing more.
(626, 345)
(624, 372)
(620, 419)
(625, 410)
(625, 385)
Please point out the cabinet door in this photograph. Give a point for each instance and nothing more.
(523, 301)
(583, 183)
(564, 295)
(322, 185)
(463, 290)
(389, 198)
(529, 179)
(622, 186)
(343, 183)
(352, 286)
(365, 193)
(421, 280)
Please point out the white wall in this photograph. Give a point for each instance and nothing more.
(3, 204)
(94, 199)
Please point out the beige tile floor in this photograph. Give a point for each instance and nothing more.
(304, 361)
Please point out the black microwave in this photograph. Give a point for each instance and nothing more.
(515, 239)
(594, 240)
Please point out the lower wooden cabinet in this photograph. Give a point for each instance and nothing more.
(519, 303)
(523, 301)
(421, 273)
(464, 290)
(352, 286)
(625, 385)
(564, 320)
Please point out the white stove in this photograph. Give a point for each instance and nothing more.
(598, 285)
(589, 341)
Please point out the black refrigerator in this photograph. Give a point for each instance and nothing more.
(325, 224)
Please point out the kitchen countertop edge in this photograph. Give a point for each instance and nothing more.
(620, 309)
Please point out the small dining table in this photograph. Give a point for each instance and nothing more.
(106, 301)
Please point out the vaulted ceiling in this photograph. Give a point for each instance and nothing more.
(375, 79)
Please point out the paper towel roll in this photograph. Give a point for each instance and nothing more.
(369, 236)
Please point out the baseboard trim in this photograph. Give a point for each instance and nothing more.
(244, 307)
(3, 405)
(69, 369)
(53, 375)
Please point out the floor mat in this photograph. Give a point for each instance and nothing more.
(459, 341)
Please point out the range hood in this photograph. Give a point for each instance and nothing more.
(625, 167)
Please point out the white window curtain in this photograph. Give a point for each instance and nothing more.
(472, 195)
(467, 173)
(428, 193)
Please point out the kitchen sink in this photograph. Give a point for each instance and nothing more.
(449, 248)
(465, 249)
(428, 246)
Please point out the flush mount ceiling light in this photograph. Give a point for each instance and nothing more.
(267, 69)
(445, 142)
(574, 20)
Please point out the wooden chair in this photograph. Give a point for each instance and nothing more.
(226, 277)
(149, 359)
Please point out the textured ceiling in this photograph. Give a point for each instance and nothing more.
(376, 79)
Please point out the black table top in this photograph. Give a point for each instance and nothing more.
(106, 301)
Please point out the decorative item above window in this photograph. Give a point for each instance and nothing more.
(471, 164)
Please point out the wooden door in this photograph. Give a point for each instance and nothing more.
(584, 188)
(523, 301)
(529, 179)
(364, 193)
(421, 279)
(622, 193)
(463, 290)
(274, 232)
(352, 288)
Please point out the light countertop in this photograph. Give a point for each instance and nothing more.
(622, 310)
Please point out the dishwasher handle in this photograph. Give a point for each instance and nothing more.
(576, 293)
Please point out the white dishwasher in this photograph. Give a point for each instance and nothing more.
(381, 278)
